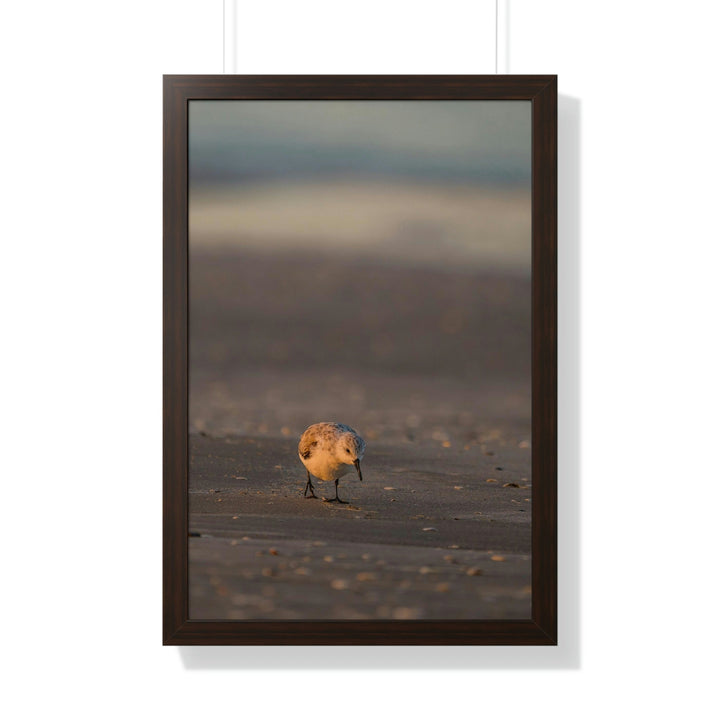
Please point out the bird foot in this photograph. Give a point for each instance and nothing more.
(337, 500)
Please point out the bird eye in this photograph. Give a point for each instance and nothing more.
(347, 450)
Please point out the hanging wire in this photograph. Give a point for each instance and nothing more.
(496, 36)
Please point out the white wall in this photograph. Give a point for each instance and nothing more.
(81, 366)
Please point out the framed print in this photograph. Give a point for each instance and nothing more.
(360, 360)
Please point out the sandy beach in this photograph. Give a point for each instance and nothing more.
(431, 367)
(421, 537)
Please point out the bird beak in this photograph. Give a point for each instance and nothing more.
(357, 467)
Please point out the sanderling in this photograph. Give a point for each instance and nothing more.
(328, 450)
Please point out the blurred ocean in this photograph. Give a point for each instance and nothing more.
(416, 183)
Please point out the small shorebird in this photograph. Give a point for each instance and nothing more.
(328, 451)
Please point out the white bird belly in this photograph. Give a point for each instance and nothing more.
(325, 467)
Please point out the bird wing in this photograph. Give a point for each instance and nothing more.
(306, 445)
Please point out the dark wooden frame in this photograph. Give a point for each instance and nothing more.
(541, 628)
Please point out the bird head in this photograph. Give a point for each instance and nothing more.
(350, 451)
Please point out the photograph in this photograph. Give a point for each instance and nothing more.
(360, 360)
(359, 282)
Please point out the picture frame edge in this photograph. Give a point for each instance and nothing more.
(541, 627)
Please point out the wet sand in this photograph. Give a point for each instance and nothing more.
(431, 367)
(423, 536)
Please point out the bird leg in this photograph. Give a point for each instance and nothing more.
(309, 486)
(336, 498)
